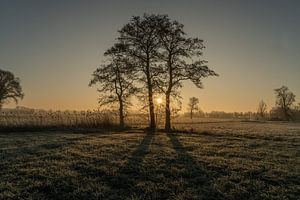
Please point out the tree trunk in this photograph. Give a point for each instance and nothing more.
(168, 93)
(168, 113)
(121, 114)
(286, 114)
(152, 124)
(191, 114)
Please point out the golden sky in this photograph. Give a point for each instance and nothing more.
(55, 46)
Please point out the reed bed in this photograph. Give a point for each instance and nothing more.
(56, 119)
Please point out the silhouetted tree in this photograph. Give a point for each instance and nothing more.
(284, 101)
(139, 40)
(10, 88)
(193, 105)
(115, 79)
(181, 56)
(262, 109)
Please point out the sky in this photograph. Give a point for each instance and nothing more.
(54, 46)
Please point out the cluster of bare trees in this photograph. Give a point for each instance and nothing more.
(284, 101)
(262, 109)
(152, 55)
(284, 107)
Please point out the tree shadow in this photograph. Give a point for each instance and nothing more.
(125, 179)
(198, 177)
(120, 183)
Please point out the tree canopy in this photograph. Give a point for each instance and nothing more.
(161, 57)
(10, 88)
(284, 100)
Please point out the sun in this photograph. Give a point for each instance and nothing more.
(159, 100)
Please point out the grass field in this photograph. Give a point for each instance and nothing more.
(224, 160)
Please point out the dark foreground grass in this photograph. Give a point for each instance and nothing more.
(138, 165)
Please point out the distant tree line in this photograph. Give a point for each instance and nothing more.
(285, 109)
(222, 114)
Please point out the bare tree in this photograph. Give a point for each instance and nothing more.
(164, 58)
(140, 42)
(10, 88)
(181, 56)
(115, 79)
(285, 100)
(262, 109)
(193, 105)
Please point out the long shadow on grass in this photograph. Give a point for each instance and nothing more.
(198, 178)
(63, 186)
(123, 182)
